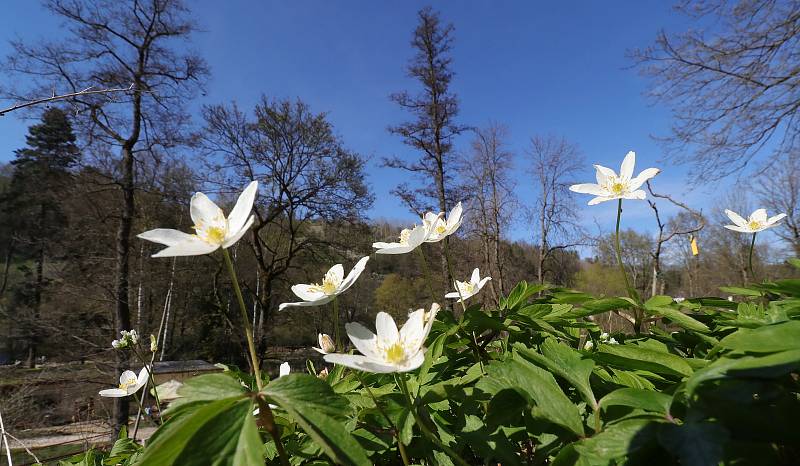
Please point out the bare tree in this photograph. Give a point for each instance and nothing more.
(674, 228)
(779, 192)
(114, 45)
(552, 161)
(488, 171)
(434, 127)
(310, 181)
(733, 83)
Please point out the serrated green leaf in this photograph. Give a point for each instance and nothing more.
(318, 410)
(536, 385)
(566, 363)
(634, 357)
(219, 433)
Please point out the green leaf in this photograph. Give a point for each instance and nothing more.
(220, 433)
(696, 443)
(618, 440)
(566, 363)
(679, 318)
(319, 411)
(634, 357)
(658, 301)
(647, 400)
(538, 387)
(597, 306)
(769, 338)
(736, 290)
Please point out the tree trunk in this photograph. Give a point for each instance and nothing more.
(122, 312)
(33, 336)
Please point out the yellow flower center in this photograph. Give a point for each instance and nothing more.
(126, 384)
(617, 188)
(467, 287)
(215, 235)
(328, 286)
(441, 228)
(395, 354)
(754, 224)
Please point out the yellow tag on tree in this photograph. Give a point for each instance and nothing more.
(695, 251)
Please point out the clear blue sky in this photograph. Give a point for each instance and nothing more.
(538, 67)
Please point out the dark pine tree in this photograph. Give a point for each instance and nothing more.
(40, 180)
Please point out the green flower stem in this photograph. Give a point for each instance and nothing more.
(265, 413)
(268, 423)
(452, 275)
(337, 338)
(248, 331)
(631, 292)
(150, 380)
(138, 415)
(750, 258)
(402, 385)
(427, 273)
(395, 431)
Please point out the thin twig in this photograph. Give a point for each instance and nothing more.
(88, 91)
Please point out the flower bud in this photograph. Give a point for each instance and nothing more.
(588, 345)
(153, 344)
(326, 343)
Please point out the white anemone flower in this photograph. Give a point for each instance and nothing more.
(129, 383)
(440, 228)
(757, 221)
(326, 344)
(409, 240)
(611, 186)
(389, 350)
(468, 289)
(212, 229)
(333, 284)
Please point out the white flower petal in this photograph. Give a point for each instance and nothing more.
(412, 363)
(628, 163)
(335, 274)
(203, 210)
(476, 276)
(483, 282)
(738, 228)
(193, 246)
(639, 195)
(759, 216)
(318, 302)
(386, 328)
(600, 199)
(165, 236)
(455, 215)
(588, 188)
(307, 292)
(452, 295)
(113, 393)
(392, 248)
(736, 218)
(362, 363)
(603, 174)
(233, 237)
(363, 339)
(772, 220)
(413, 331)
(241, 211)
(284, 369)
(355, 272)
(645, 175)
(431, 319)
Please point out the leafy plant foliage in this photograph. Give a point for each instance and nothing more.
(709, 382)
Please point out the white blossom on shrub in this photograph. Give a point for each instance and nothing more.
(468, 289)
(129, 383)
(333, 284)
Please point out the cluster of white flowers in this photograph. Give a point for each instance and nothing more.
(604, 337)
(129, 338)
